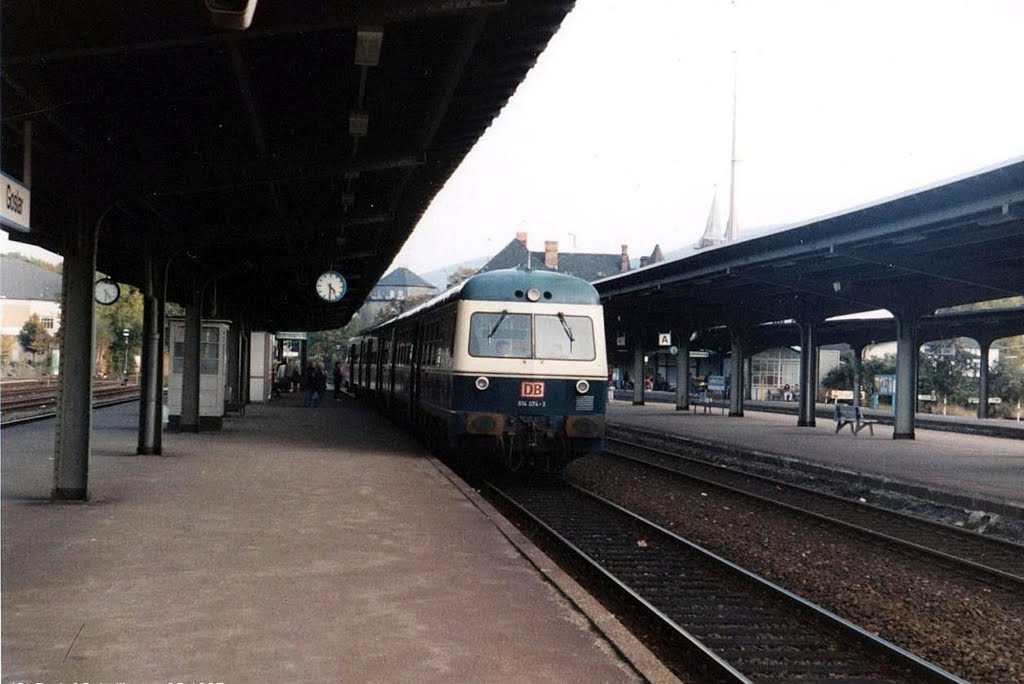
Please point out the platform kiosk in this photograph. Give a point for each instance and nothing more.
(212, 371)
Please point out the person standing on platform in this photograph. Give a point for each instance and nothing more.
(307, 382)
(338, 379)
(318, 384)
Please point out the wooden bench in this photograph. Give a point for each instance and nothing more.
(851, 415)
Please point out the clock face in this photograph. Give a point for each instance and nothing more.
(330, 286)
(107, 291)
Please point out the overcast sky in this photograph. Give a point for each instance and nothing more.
(622, 130)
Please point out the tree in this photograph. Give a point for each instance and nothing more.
(1006, 379)
(460, 274)
(841, 377)
(34, 337)
(6, 350)
(946, 369)
(112, 355)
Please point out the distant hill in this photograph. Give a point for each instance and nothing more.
(439, 278)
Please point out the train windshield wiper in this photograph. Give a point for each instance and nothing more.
(504, 312)
(566, 328)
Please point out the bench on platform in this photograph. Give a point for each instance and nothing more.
(846, 414)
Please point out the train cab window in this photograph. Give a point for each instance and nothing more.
(565, 337)
(501, 334)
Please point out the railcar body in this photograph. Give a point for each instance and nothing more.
(510, 363)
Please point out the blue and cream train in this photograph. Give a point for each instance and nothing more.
(509, 362)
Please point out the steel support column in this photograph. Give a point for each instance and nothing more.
(986, 347)
(858, 351)
(906, 374)
(150, 380)
(244, 351)
(638, 369)
(158, 364)
(74, 397)
(683, 372)
(190, 369)
(736, 388)
(808, 373)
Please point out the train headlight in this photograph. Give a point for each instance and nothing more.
(582, 386)
(533, 294)
(482, 383)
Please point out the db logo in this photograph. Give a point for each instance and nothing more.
(532, 390)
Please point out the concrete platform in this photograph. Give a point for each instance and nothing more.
(970, 469)
(296, 545)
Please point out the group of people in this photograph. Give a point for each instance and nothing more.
(313, 382)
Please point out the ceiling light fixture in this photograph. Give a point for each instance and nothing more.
(368, 43)
(358, 123)
(235, 15)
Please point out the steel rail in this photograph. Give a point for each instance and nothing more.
(108, 398)
(962, 547)
(743, 627)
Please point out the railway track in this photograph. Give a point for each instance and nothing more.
(731, 624)
(972, 552)
(24, 401)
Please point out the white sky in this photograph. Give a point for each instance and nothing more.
(622, 130)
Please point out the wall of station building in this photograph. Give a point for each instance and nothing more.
(768, 372)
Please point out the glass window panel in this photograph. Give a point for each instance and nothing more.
(500, 335)
(568, 337)
(177, 357)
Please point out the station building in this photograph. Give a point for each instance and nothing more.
(26, 289)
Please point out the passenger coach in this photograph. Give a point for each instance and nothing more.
(509, 362)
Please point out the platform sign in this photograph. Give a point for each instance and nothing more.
(664, 339)
(17, 204)
(716, 383)
(291, 335)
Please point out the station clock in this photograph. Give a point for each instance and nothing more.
(331, 287)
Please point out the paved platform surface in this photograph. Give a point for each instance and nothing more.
(296, 545)
(994, 427)
(989, 468)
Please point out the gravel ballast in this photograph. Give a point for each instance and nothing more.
(970, 628)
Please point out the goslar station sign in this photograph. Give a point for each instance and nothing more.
(16, 206)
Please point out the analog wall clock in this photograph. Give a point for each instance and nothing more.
(331, 286)
(107, 291)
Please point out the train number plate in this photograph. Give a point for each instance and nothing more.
(532, 390)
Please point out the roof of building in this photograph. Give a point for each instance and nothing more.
(24, 280)
(588, 267)
(403, 277)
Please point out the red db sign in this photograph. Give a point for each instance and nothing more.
(532, 390)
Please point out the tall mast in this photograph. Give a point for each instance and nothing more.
(730, 226)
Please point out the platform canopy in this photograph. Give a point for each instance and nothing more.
(956, 242)
(246, 162)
